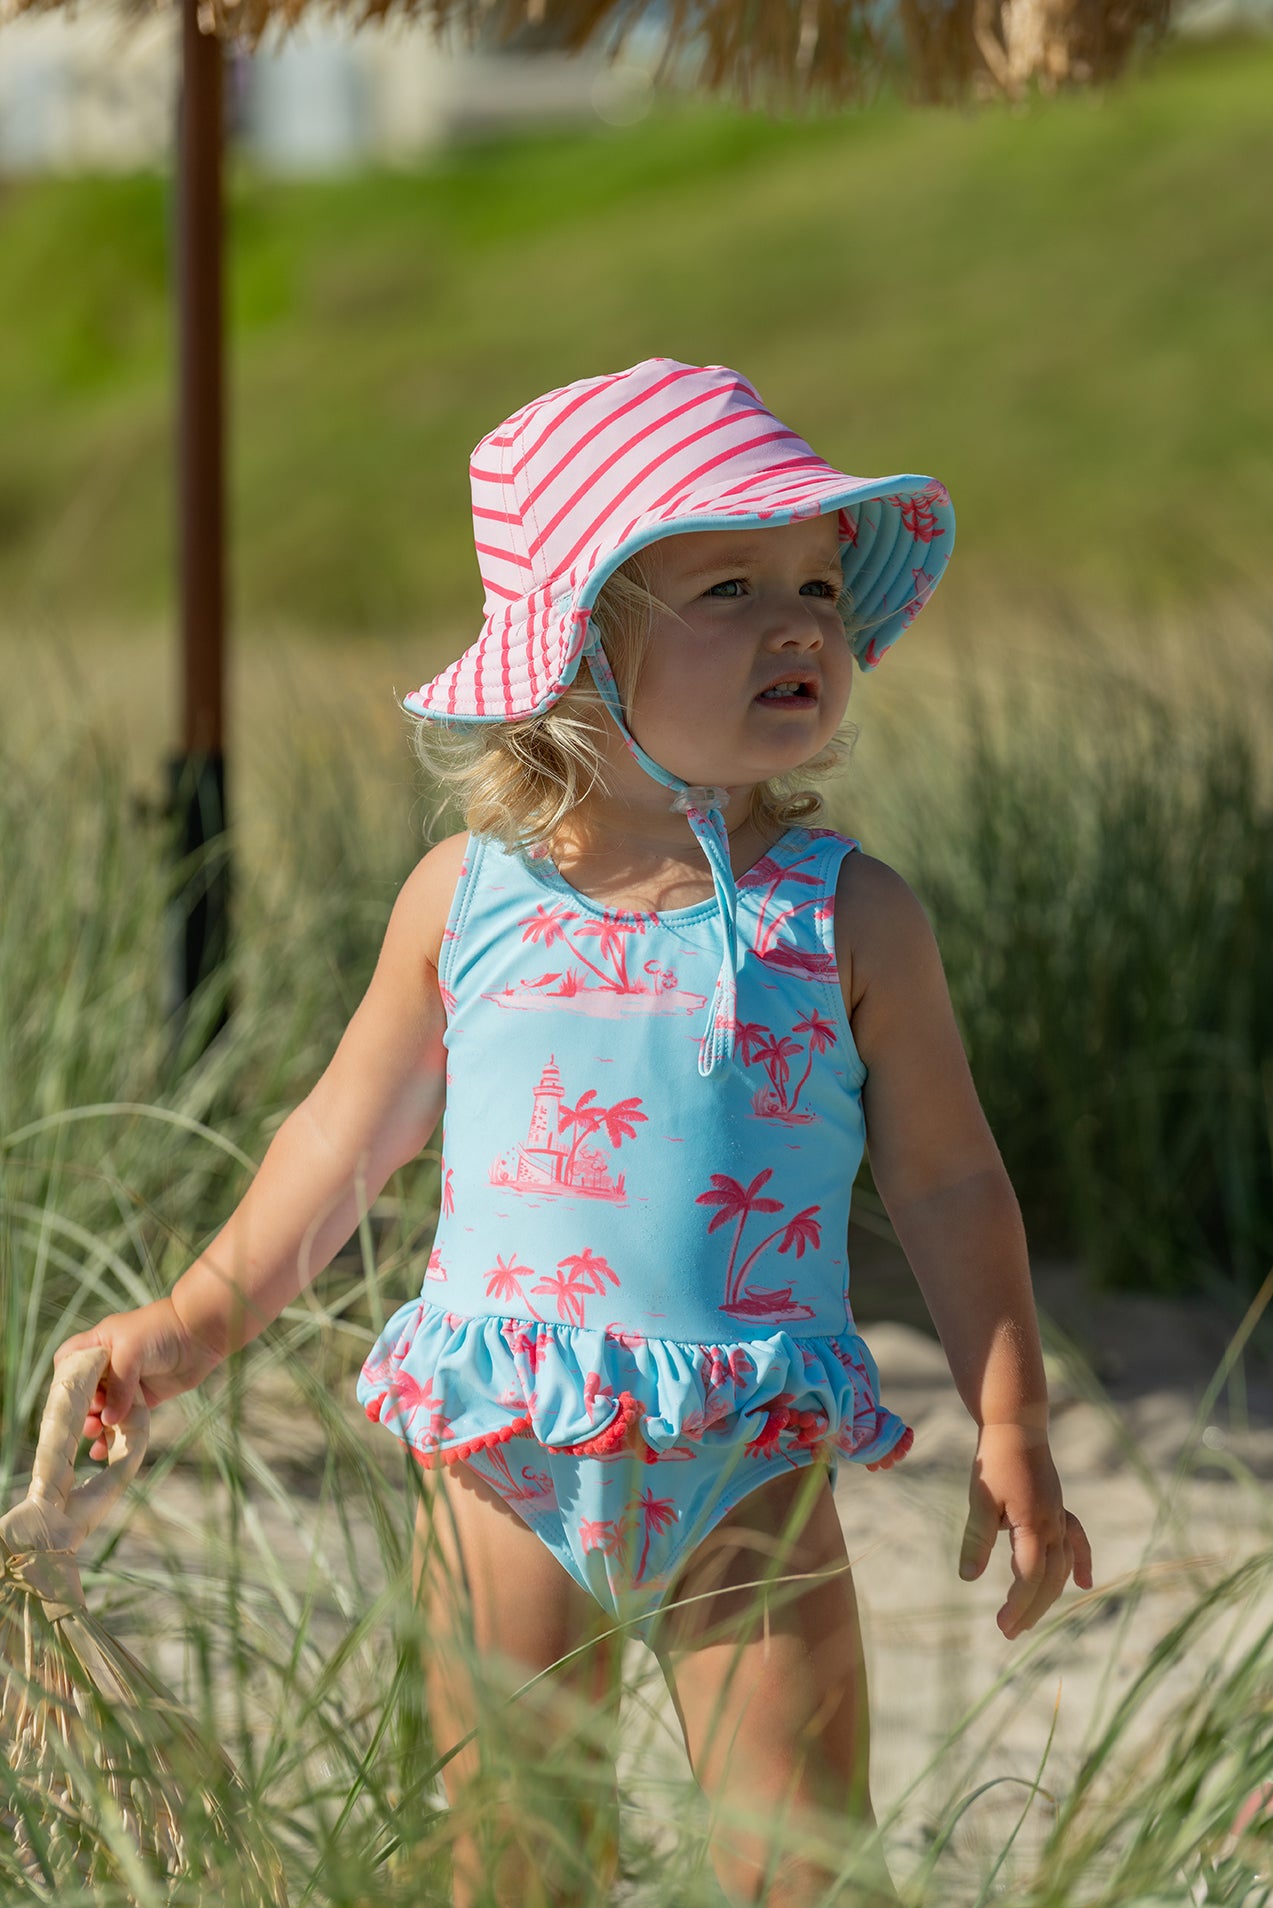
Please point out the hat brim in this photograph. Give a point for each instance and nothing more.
(896, 536)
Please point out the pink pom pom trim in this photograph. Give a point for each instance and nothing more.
(615, 1434)
(429, 1460)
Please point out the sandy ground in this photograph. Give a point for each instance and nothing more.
(1170, 1499)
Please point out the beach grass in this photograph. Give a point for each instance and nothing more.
(1087, 820)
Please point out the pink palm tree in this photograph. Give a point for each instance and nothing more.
(736, 1202)
(749, 1034)
(505, 1282)
(765, 935)
(584, 1118)
(822, 1035)
(531, 1345)
(621, 1119)
(657, 1513)
(618, 1121)
(402, 1398)
(448, 1196)
(612, 931)
(548, 924)
(608, 1535)
(569, 1289)
(800, 1230)
(774, 1055)
(591, 1267)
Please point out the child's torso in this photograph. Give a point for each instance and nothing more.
(591, 1175)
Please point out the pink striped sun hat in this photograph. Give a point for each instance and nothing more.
(579, 480)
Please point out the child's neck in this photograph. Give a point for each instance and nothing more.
(625, 852)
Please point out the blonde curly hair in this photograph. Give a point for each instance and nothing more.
(518, 781)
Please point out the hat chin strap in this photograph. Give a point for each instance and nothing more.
(701, 805)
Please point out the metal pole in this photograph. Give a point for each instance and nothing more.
(202, 894)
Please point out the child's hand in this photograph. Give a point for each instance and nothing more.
(150, 1349)
(1015, 1488)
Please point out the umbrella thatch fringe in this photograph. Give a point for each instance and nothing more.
(776, 51)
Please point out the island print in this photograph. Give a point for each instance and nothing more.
(736, 1202)
(769, 876)
(604, 987)
(775, 1052)
(546, 1161)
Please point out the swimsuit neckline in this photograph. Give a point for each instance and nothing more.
(546, 871)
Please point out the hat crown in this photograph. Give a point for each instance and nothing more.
(562, 483)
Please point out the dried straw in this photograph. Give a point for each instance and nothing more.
(107, 1779)
(779, 51)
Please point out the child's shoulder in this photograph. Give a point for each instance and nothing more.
(880, 924)
(428, 891)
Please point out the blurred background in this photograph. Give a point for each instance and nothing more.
(1059, 305)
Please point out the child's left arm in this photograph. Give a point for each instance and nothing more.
(943, 1183)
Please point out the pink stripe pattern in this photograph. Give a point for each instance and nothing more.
(580, 479)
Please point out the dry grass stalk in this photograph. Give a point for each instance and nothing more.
(776, 50)
(106, 1777)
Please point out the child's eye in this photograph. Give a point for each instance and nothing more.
(733, 584)
(830, 590)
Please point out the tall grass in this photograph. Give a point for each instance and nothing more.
(1099, 873)
(1103, 896)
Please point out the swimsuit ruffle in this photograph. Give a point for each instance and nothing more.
(449, 1385)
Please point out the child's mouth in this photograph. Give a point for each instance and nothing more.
(801, 696)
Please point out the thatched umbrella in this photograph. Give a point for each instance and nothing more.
(104, 1778)
(834, 50)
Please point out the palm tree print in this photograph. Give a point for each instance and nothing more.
(775, 1052)
(552, 924)
(767, 933)
(578, 1276)
(400, 1402)
(607, 1534)
(599, 982)
(618, 1121)
(611, 931)
(657, 1513)
(739, 1202)
(505, 1283)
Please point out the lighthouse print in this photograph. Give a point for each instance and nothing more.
(556, 1157)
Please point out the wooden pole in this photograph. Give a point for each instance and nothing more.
(202, 892)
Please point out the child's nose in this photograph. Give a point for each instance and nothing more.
(796, 620)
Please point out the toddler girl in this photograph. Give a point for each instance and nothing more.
(632, 1366)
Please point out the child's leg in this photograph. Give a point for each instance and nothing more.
(770, 1689)
(499, 1607)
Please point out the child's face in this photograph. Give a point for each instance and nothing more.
(745, 608)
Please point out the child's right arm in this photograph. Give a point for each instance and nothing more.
(376, 1105)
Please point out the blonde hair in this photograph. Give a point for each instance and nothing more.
(518, 781)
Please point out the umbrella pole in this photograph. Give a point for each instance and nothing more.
(200, 937)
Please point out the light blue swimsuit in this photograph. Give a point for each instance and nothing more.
(636, 1307)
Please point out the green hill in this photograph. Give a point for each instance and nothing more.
(1062, 311)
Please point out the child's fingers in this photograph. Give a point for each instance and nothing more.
(1082, 1550)
(983, 1526)
(1040, 1567)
